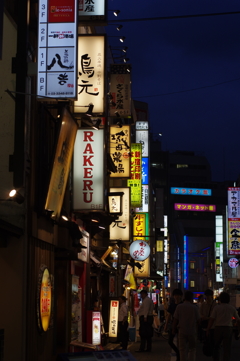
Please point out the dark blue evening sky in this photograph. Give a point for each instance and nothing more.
(188, 71)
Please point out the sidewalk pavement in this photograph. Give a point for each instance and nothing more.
(162, 351)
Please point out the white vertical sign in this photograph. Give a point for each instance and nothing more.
(88, 163)
(57, 49)
(91, 65)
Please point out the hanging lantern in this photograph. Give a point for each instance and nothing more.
(139, 250)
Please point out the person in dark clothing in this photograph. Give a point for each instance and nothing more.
(177, 295)
(145, 314)
(123, 334)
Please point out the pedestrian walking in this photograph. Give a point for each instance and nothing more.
(161, 310)
(205, 311)
(186, 319)
(222, 316)
(145, 314)
(123, 334)
(177, 297)
(200, 301)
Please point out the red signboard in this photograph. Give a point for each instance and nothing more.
(61, 11)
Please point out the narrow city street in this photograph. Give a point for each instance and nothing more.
(162, 351)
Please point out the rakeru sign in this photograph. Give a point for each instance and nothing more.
(88, 170)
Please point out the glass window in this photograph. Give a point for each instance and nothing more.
(192, 265)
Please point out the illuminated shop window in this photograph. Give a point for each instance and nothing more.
(182, 165)
(192, 283)
(192, 265)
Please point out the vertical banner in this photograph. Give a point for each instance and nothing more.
(185, 261)
(120, 229)
(218, 261)
(91, 73)
(112, 285)
(88, 164)
(57, 49)
(120, 150)
(96, 328)
(61, 165)
(140, 231)
(113, 319)
(120, 90)
(140, 226)
(233, 220)
(135, 183)
(142, 138)
(84, 254)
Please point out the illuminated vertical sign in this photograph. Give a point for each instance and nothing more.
(120, 150)
(140, 231)
(218, 261)
(234, 220)
(145, 171)
(185, 261)
(113, 319)
(140, 226)
(135, 183)
(57, 49)
(178, 266)
(218, 248)
(96, 328)
(88, 175)
(91, 73)
(61, 165)
(120, 229)
(145, 200)
(142, 138)
(120, 90)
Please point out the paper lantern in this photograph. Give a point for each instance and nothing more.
(139, 250)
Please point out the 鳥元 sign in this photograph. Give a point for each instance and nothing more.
(91, 69)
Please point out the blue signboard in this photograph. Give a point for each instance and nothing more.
(144, 170)
(191, 191)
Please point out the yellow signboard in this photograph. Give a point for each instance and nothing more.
(136, 175)
(120, 150)
(140, 231)
(144, 271)
(61, 165)
(139, 226)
